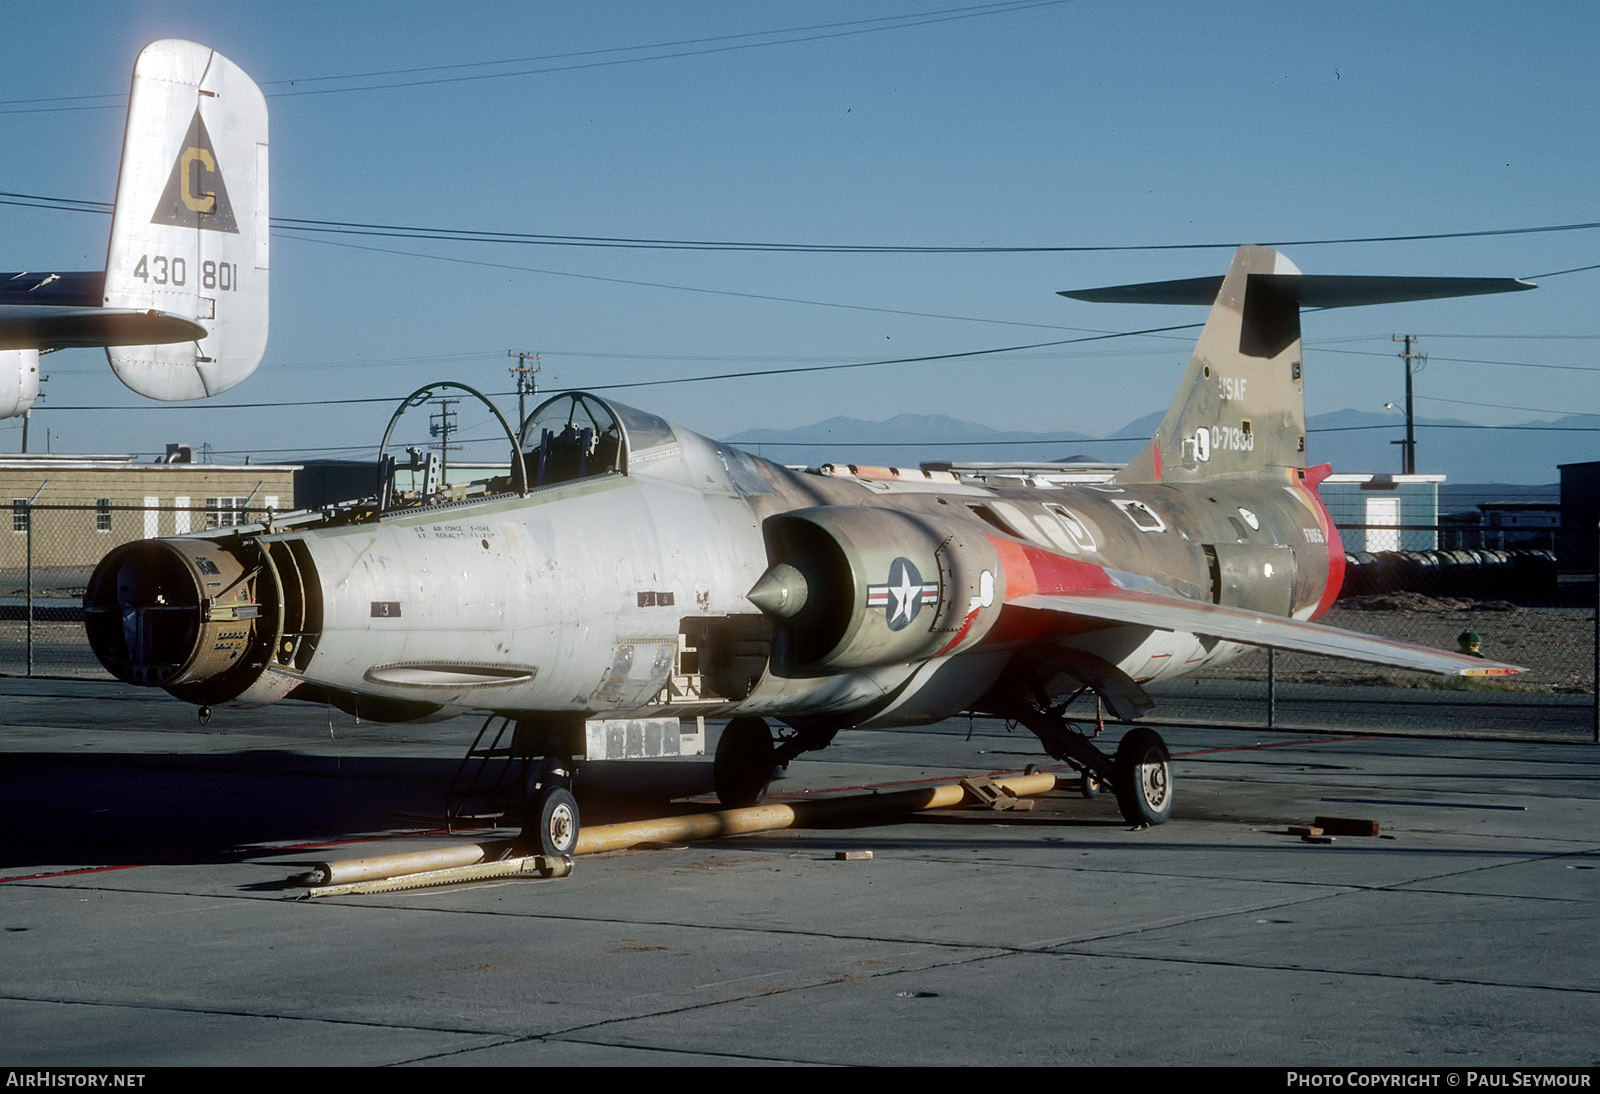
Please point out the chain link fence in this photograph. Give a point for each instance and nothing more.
(47, 553)
(1529, 601)
(1531, 605)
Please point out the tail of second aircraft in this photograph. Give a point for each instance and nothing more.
(181, 307)
(1241, 406)
(189, 235)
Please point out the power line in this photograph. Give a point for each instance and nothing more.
(900, 23)
(743, 374)
(1499, 406)
(795, 370)
(1558, 273)
(1515, 337)
(940, 444)
(1468, 360)
(1461, 425)
(692, 288)
(829, 30)
(481, 235)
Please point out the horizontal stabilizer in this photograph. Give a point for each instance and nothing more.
(1255, 629)
(67, 290)
(1307, 290)
(52, 328)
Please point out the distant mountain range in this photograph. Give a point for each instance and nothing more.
(1351, 440)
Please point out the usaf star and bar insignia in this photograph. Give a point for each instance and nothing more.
(903, 595)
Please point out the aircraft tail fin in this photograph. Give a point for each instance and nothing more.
(1241, 406)
(189, 235)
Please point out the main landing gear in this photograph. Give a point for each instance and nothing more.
(748, 757)
(744, 763)
(1144, 777)
(1140, 773)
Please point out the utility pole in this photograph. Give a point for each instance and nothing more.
(1408, 453)
(526, 384)
(440, 425)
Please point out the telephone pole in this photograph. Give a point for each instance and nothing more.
(526, 384)
(1408, 453)
(441, 425)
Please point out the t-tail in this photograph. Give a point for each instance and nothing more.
(1241, 407)
(181, 307)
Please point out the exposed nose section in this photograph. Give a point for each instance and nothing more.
(165, 613)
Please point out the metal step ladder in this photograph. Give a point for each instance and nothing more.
(491, 780)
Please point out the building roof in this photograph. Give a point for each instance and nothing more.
(47, 461)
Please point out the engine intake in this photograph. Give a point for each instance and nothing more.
(201, 618)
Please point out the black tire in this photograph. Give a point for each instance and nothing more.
(553, 818)
(1144, 778)
(743, 765)
(1091, 785)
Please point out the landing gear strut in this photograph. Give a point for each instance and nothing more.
(1140, 774)
(550, 816)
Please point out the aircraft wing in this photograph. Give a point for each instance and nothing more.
(1255, 629)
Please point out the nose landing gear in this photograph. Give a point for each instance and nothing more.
(550, 817)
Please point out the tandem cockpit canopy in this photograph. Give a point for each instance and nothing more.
(576, 435)
(572, 436)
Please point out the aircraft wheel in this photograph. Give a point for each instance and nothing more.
(554, 813)
(1091, 785)
(743, 765)
(1144, 778)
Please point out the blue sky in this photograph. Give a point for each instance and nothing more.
(1086, 123)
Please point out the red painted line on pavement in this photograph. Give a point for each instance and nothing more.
(1057, 767)
(1275, 744)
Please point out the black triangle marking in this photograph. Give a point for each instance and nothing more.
(196, 196)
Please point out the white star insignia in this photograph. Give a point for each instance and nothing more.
(906, 595)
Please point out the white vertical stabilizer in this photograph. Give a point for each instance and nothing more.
(189, 234)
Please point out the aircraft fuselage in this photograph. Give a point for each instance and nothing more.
(625, 594)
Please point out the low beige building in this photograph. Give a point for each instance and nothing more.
(71, 510)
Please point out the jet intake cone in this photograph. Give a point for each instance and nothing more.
(781, 591)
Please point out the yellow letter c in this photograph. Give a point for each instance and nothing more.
(198, 203)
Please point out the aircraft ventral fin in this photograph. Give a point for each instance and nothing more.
(1255, 629)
